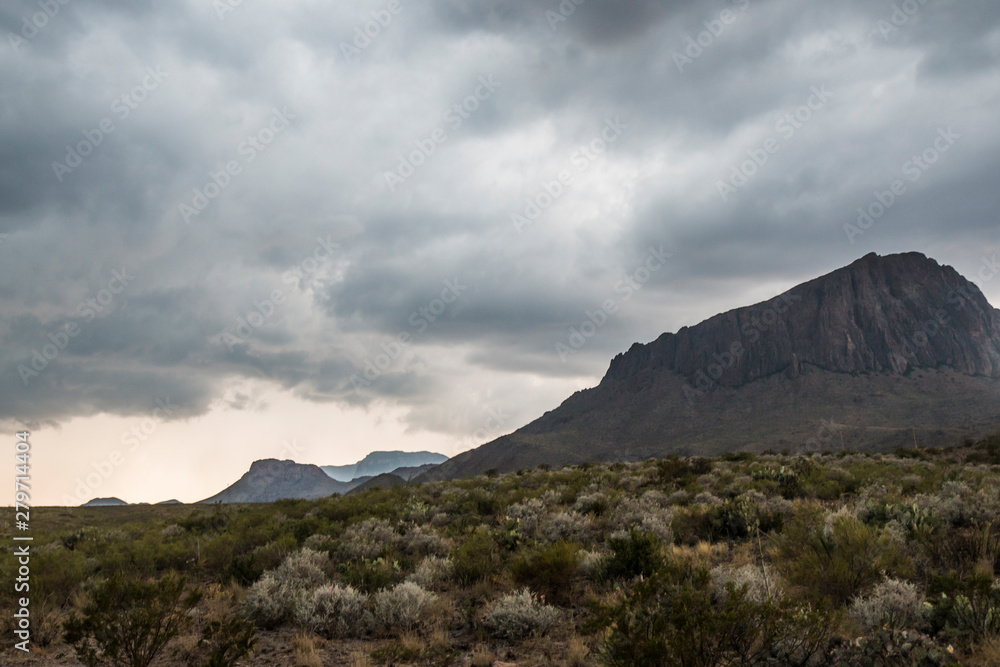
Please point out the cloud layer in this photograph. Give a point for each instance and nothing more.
(408, 207)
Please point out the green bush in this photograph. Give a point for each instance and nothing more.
(839, 560)
(371, 575)
(967, 609)
(550, 570)
(636, 554)
(676, 617)
(474, 559)
(128, 621)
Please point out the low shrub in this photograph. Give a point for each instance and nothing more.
(571, 526)
(369, 539)
(549, 570)
(401, 608)
(268, 603)
(128, 621)
(475, 559)
(335, 612)
(371, 575)
(432, 573)
(272, 600)
(520, 615)
(677, 617)
(632, 555)
(760, 582)
(840, 560)
(895, 604)
(889, 646)
(969, 610)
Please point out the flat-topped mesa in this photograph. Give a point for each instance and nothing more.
(879, 314)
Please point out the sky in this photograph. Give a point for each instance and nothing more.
(241, 230)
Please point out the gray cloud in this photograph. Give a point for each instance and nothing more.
(324, 177)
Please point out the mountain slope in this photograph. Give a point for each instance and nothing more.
(888, 351)
(378, 463)
(271, 480)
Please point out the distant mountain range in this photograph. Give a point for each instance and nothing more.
(378, 463)
(889, 351)
(271, 480)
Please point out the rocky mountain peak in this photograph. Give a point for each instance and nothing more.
(879, 314)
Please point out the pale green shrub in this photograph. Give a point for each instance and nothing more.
(401, 608)
(334, 611)
(761, 582)
(519, 615)
(367, 540)
(569, 526)
(432, 573)
(894, 604)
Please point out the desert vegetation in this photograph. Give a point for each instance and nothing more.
(834, 558)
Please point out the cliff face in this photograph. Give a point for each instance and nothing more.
(878, 354)
(880, 314)
(271, 480)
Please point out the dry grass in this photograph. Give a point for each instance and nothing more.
(577, 653)
(306, 654)
(987, 654)
(482, 656)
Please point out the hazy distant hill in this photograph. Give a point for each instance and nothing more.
(271, 480)
(378, 463)
(105, 502)
(383, 481)
(888, 351)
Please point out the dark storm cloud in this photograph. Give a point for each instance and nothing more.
(309, 216)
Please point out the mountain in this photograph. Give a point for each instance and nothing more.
(271, 480)
(384, 481)
(378, 463)
(104, 502)
(173, 501)
(889, 351)
(407, 473)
